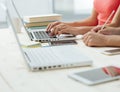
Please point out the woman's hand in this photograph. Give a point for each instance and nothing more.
(95, 39)
(51, 25)
(57, 28)
(96, 29)
(110, 31)
(106, 30)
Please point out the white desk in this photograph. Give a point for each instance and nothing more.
(15, 77)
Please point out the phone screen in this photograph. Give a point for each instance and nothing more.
(99, 75)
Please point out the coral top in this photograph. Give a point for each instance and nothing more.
(104, 8)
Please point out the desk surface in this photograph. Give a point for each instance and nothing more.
(16, 77)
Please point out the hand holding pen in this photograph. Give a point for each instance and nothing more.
(106, 21)
(100, 28)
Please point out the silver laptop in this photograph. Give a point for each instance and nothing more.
(40, 34)
(42, 58)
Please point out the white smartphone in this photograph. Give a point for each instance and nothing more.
(97, 76)
(111, 52)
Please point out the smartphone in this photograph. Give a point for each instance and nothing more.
(58, 43)
(97, 76)
(111, 52)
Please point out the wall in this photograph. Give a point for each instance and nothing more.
(33, 7)
(74, 6)
(2, 12)
(83, 6)
(66, 7)
(29, 7)
(73, 10)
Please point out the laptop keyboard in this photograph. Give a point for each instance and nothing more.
(40, 57)
(41, 35)
(57, 56)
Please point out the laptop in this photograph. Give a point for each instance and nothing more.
(45, 58)
(40, 34)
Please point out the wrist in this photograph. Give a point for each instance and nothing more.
(70, 23)
(117, 30)
(108, 40)
(113, 40)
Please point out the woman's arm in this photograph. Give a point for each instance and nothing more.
(116, 19)
(75, 28)
(113, 40)
(90, 21)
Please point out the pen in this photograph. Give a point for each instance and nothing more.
(108, 19)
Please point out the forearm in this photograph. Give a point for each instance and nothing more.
(113, 24)
(113, 40)
(86, 22)
(116, 19)
(81, 30)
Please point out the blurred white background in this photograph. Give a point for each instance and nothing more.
(70, 9)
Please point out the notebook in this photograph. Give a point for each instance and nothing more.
(42, 18)
(45, 58)
(40, 34)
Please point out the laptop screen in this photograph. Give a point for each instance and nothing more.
(17, 24)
